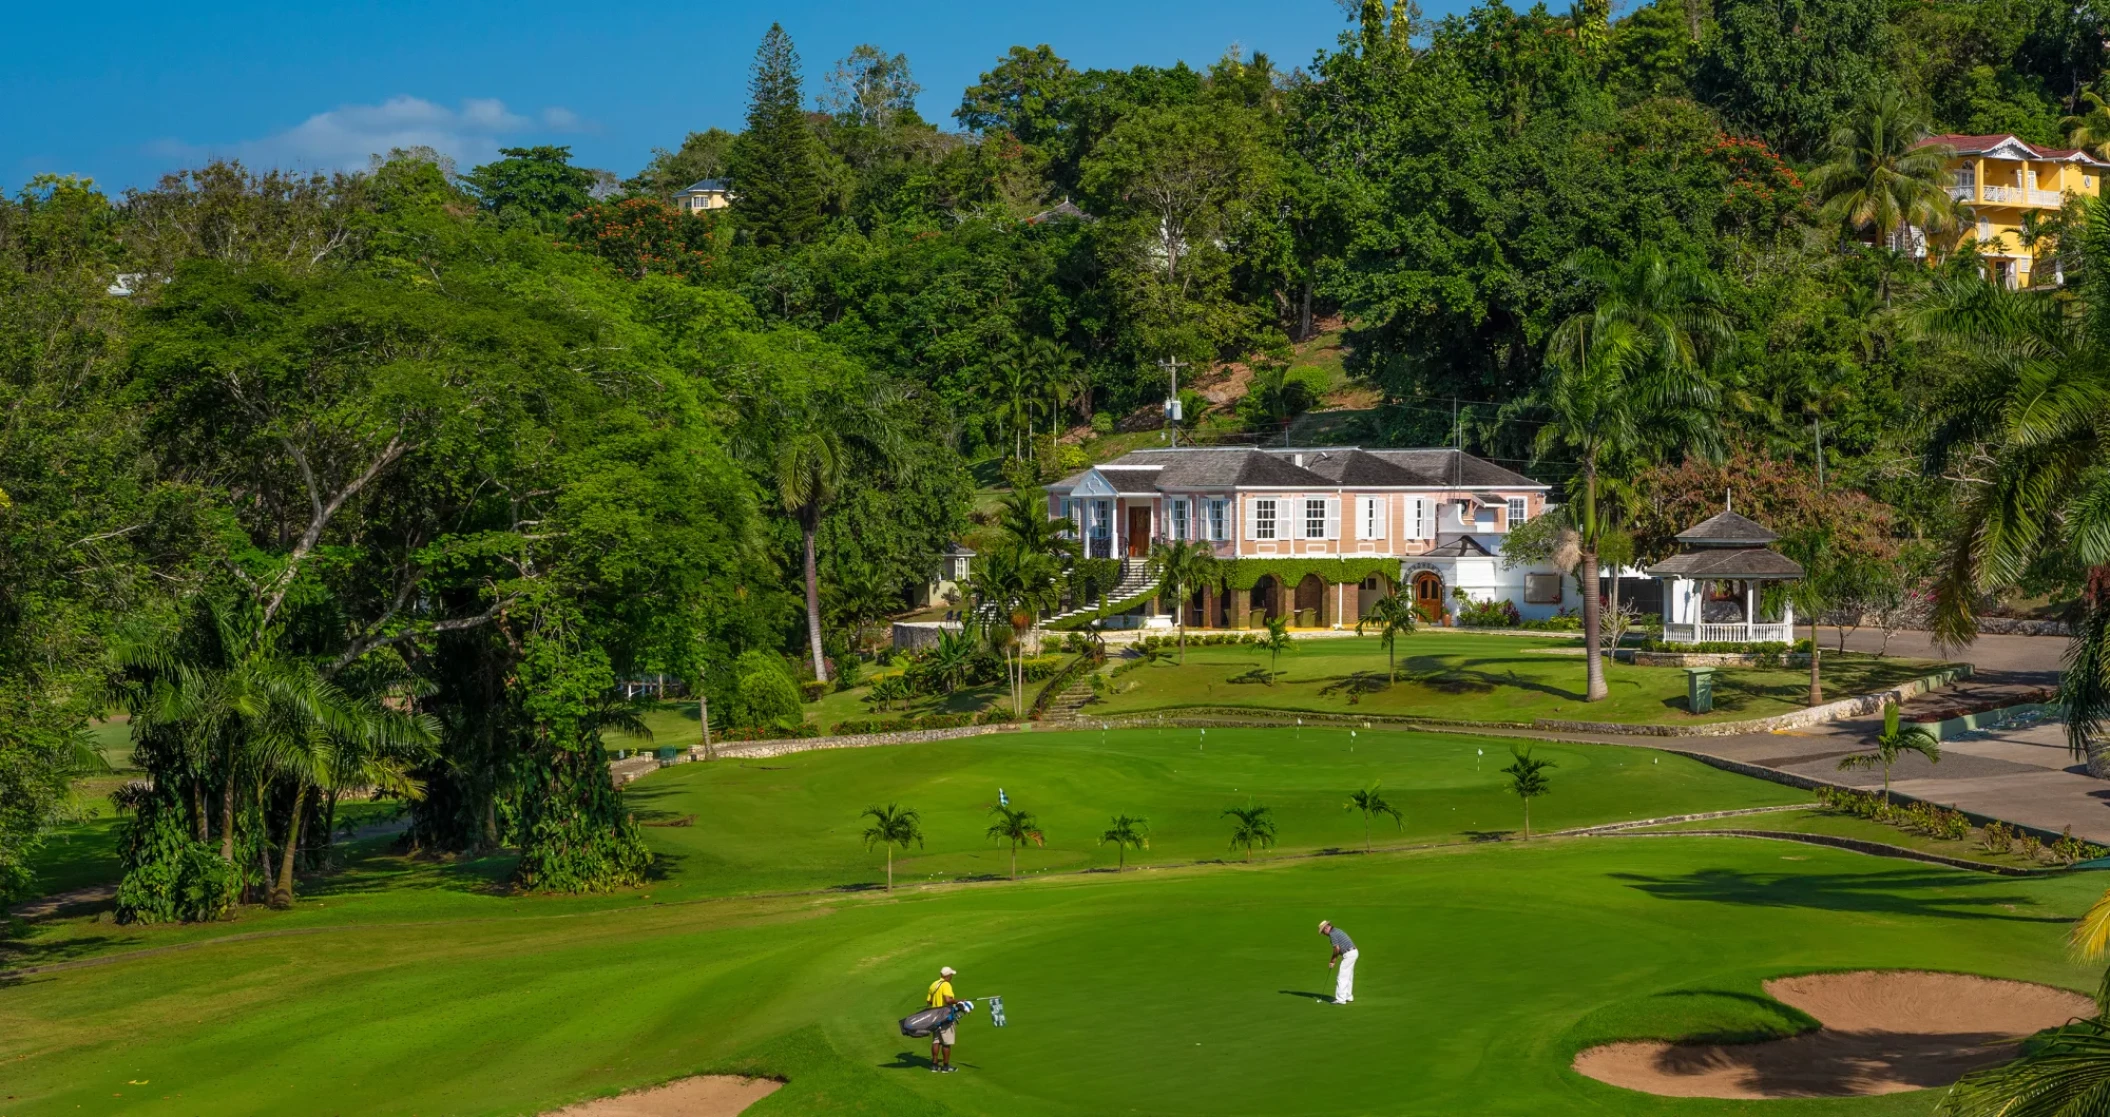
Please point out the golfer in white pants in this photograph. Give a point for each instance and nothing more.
(1344, 955)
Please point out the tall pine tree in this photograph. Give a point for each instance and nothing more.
(777, 184)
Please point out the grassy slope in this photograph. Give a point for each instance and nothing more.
(1838, 825)
(1480, 678)
(1173, 992)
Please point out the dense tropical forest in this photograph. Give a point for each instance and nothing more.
(387, 479)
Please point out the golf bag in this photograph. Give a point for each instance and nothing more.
(921, 1024)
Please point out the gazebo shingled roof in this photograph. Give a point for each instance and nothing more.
(1728, 529)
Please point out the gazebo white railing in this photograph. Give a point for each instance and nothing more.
(1730, 632)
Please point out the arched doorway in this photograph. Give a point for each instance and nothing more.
(1265, 601)
(1311, 600)
(1428, 596)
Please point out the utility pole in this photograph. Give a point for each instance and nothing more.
(1172, 367)
(1817, 425)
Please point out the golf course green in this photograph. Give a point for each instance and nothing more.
(1188, 987)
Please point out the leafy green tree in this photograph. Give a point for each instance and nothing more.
(1393, 617)
(774, 167)
(892, 825)
(1016, 827)
(1124, 834)
(871, 88)
(1251, 826)
(1276, 642)
(1788, 70)
(1894, 741)
(1825, 570)
(1278, 394)
(702, 155)
(1181, 567)
(2089, 130)
(1371, 804)
(537, 185)
(1527, 780)
(1023, 95)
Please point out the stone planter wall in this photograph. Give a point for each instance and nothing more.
(1830, 711)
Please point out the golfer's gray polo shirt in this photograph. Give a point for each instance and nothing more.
(1341, 941)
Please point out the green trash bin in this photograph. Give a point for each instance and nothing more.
(667, 753)
(1699, 690)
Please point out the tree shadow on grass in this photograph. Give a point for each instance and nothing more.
(1356, 686)
(1899, 892)
(23, 954)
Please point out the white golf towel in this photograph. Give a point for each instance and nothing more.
(1344, 985)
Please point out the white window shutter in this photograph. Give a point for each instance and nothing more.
(1381, 505)
(1248, 515)
(1362, 517)
(1333, 517)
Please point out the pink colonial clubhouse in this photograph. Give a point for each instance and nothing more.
(1317, 534)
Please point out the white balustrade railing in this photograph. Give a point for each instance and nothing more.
(2046, 198)
(1993, 193)
(1736, 632)
(1964, 193)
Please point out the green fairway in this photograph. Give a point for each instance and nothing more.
(1190, 987)
(1468, 677)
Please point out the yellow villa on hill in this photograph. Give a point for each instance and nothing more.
(2002, 180)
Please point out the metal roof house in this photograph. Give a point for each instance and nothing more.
(1712, 589)
(705, 196)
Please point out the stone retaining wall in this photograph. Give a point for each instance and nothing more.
(1830, 711)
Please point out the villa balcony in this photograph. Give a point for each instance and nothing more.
(2009, 196)
(1732, 632)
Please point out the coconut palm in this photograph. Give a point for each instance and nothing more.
(2089, 129)
(1012, 588)
(359, 742)
(1181, 567)
(1023, 522)
(1251, 826)
(1894, 741)
(1527, 778)
(2023, 423)
(1016, 827)
(1126, 833)
(1879, 177)
(1276, 642)
(1620, 394)
(1824, 572)
(1393, 617)
(809, 470)
(1371, 803)
(892, 825)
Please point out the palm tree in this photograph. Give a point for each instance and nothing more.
(1672, 308)
(1014, 382)
(1181, 567)
(1251, 827)
(1371, 803)
(1879, 177)
(892, 825)
(1023, 522)
(359, 742)
(1016, 586)
(2024, 425)
(1394, 618)
(1895, 741)
(1527, 778)
(1126, 832)
(1823, 569)
(1616, 394)
(2089, 130)
(1278, 641)
(809, 474)
(1016, 827)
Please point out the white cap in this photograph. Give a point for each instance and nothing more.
(947, 971)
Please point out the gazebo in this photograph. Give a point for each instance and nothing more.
(1711, 590)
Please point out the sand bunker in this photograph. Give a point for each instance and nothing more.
(708, 1095)
(1884, 1032)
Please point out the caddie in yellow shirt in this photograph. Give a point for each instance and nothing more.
(941, 1040)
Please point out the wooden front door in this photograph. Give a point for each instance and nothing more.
(1138, 532)
(1428, 596)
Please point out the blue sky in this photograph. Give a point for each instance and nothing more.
(124, 95)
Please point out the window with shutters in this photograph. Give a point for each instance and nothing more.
(1373, 517)
(1421, 518)
(1519, 510)
(1179, 521)
(1219, 510)
(1263, 519)
(1314, 519)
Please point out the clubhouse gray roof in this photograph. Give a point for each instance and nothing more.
(1202, 469)
(1728, 529)
(1463, 546)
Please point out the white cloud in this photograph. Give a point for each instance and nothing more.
(346, 136)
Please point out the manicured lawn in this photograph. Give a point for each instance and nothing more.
(1476, 678)
(417, 987)
(675, 722)
(1841, 825)
(1184, 991)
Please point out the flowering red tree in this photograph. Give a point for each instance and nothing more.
(645, 236)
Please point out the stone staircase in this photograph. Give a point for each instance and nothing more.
(1071, 701)
(1136, 579)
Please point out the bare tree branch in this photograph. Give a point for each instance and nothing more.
(323, 513)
